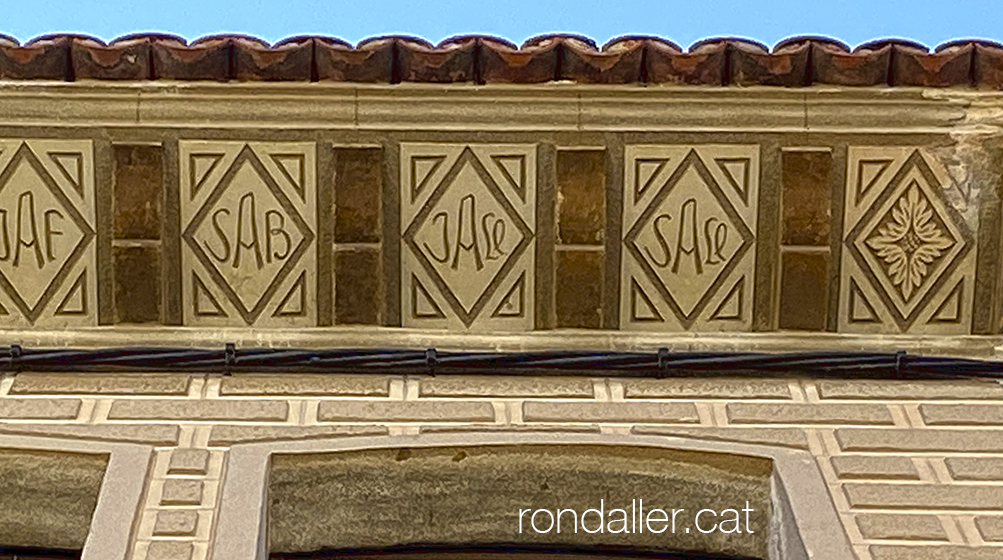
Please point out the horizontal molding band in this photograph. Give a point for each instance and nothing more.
(548, 107)
(382, 337)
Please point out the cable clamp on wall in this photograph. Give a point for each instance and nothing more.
(663, 363)
(229, 357)
(900, 358)
(431, 360)
(15, 358)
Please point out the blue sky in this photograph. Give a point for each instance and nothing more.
(852, 21)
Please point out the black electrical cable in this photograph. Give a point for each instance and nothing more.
(662, 363)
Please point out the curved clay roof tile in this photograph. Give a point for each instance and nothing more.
(794, 42)
(957, 43)
(127, 59)
(450, 62)
(379, 39)
(232, 37)
(739, 42)
(307, 39)
(627, 41)
(45, 59)
(529, 64)
(63, 38)
(473, 58)
(489, 39)
(548, 38)
(288, 61)
(877, 45)
(151, 37)
(371, 61)
(322, 40)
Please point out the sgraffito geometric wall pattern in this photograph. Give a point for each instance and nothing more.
(248, 213)
(468, 236)
(48, 269)
(689, 227)
(908, 261)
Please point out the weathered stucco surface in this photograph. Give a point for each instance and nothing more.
(473, 494)
(507, 217)
(47, 498)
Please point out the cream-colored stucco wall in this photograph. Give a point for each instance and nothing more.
(915, 469)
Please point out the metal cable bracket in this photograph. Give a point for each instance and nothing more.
(663, 362)
(15, 358)
(229, 358)
(431, 360)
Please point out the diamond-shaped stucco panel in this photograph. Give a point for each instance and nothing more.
(48, 269)
(908, 263)
(689, 222)
(468, 236)
(248, 214)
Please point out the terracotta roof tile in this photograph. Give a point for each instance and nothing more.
(633, 59)
(832, 64)
(987, 71)
(531, 64)
(703, 65)
(288, 61)
(419, 61)
(127, 58)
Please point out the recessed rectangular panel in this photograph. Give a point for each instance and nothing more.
(248, 233)
(909, 245)
(806, 197)
(804, 290)
(137, 284)
(357, 282)
(48, 233)
(579, 289)
(358, 189)
(581, 199)
(139, 172)
(689, 237)
(468, 236)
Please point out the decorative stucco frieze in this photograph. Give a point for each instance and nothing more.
(689, 236)
(468, 236)
(908, 252)
(248, 213)
(48, 266)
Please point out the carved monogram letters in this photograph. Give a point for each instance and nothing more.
(689, 236)
(48, 272)
(468, 222)
(909, 255)
(248, 227)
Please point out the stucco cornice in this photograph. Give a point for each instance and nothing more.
(548, 107)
